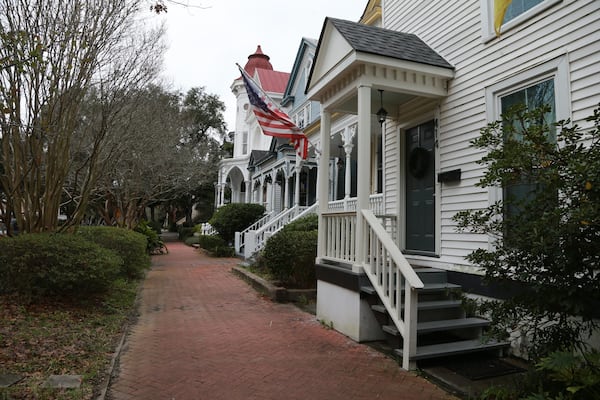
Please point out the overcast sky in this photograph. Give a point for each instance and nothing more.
(205, 44)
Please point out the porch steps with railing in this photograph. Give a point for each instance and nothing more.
(443, 329)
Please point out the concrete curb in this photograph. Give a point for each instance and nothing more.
(273, 292)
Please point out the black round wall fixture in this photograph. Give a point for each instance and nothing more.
(418, 162)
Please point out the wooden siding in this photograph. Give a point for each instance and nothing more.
(454, 29)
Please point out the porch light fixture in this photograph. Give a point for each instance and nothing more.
(381, 113)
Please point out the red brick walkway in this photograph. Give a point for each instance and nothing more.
(203, 333)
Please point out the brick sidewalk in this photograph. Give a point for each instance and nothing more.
(205, 334)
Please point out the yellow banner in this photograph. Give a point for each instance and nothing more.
(500, 7)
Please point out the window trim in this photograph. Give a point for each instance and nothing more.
(558, 69)
(487, 17)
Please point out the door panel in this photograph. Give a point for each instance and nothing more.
(420, 188)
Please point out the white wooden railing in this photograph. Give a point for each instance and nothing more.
(340, 230)
(395, 282)
(389, 272)
(349, 204)
(254, 240)
(240, 237)
(207, 229)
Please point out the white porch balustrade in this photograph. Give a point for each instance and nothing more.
(254, 240)
(240, 237)
(375, 201)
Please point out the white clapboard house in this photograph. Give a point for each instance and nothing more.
(401, 95)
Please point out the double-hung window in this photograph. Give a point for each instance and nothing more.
(544, 85)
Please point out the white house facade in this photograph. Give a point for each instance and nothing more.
(440, 74)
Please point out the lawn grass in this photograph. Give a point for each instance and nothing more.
(58, 337)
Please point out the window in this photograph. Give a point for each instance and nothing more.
(518, 12)
(548, 84)
(244, 142)
(518, 7)
(534, 96)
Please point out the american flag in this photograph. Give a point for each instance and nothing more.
(272, 120)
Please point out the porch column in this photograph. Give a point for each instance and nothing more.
(249, 190)
(261, 192)
(317, 159)
(222, 194)
(273, 183)
(217, 190)
(348, 146)
(286, 190)
(298, 169)
(323, 180)
(363, 167)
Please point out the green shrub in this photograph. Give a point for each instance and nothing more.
(185, 232)
(235, 217)
(209, 242)
(38, 265)
(290, 258)
(156, 226)
(215, 245)
(129, 245)
(153, 240)
(222, 251)
(192, 240)
(304, 224)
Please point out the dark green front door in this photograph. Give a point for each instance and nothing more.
(420, 188)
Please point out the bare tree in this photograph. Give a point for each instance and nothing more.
(52, 53)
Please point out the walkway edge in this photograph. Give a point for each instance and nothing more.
(117, 353)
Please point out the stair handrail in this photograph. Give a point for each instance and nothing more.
(258, 224)
(240, 237)
(279, 221)
(382, 266)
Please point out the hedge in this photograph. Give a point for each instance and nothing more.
(129, 245)
(235, 217)
(44, 264)
(290, 258)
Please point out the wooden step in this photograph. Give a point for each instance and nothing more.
(425, 305)
(441, 325)
(438, 287)
(451, 324)
(454, 348)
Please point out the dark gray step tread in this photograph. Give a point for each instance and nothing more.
(448, 324)
(426, 305)
(427, 270)
(454, 348)
(437, 287)
(368, 289)
(442, 325)
(429, 287)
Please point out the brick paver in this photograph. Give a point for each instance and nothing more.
(203, 333)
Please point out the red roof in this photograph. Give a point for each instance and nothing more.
(272, 81)
(257, 60)
(269, 80)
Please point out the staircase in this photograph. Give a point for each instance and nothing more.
(442, 327)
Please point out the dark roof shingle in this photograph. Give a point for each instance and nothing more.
(389, 43)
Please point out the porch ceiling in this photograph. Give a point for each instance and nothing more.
(350, 55)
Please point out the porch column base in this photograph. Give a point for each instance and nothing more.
(339, 304)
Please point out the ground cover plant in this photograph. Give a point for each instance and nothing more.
(61, 337)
